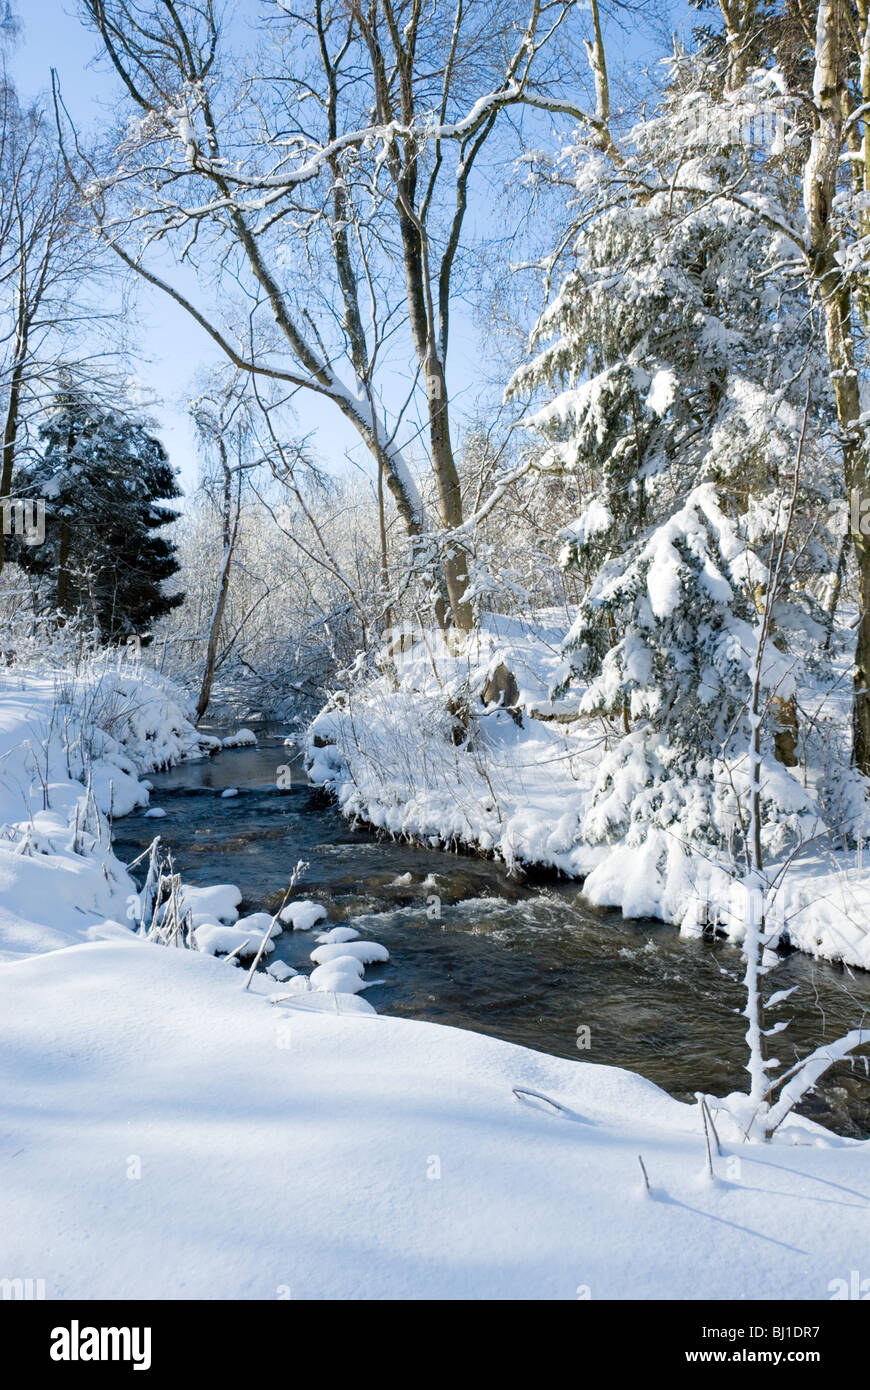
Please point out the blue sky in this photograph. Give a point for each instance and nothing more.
(173, 348)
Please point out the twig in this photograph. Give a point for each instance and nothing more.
(703, 1109)
(713, 1127)
(643, 1170)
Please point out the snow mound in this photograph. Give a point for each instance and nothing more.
(366, 952)
(280, 970)
(217, 903)
(258, 922)
(343, 974)
(337, 934)
(302, 916)
(221, 941)
(242, 738)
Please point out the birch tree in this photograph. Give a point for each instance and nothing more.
(221, 415)
(332, 175)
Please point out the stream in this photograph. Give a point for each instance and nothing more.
(526, 959)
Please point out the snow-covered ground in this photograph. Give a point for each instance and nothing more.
(167, 1133)
(398, 757)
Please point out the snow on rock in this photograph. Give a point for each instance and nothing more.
(242, 738)
(366, 952)
(298, 984)
(258, 922)
(302, 916)
(216, 940)
(344, 974)
(337, 934)
(155, 813)
(230, 791)
(218, 903)
(280, 970)
(530, 1204)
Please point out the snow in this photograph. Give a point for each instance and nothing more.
(457, 1188)
(525, 792)
(230, 791)
(216, 940)
(280, 970)
(595, 520)
(59, 880)
(366, 952)
(242, 738)
(662, 391)
(337, 934)
(243, 937)
(302, 916)
(437, 1163)
(155, 813)
(219, 901)
(343, 975)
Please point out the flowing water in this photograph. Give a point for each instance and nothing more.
(526, 960)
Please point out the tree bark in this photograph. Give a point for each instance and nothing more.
(820, 186)
(10, 437)
(229, 535)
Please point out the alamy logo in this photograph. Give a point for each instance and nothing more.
(854, 1288)
(26, 1289)
(25, 518)
(744, 127)
(75, 1343)
(859, 513)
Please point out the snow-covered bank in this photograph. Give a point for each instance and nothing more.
(168, 1135)
(426, 759)
(73, 751)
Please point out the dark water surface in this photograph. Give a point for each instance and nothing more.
(527, 960)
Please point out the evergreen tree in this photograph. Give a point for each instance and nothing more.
(685, 352)
(102, 475)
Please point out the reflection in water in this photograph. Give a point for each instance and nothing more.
(526, 961)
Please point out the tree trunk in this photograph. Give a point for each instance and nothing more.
(10, 428)
(63, 569)
(229, 535)
(450, 495)
(214, 633)
(820, 187)
(739, 17)
(785, 735)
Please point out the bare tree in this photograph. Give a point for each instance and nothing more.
(221, 414)
(331, 179)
